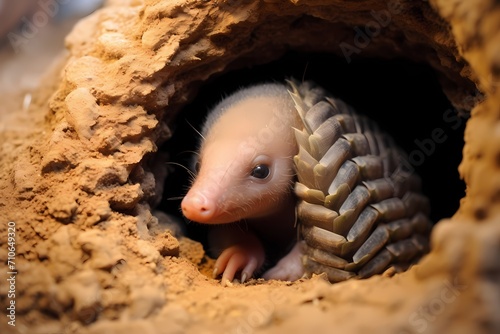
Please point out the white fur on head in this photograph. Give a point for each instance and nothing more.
(275, 90)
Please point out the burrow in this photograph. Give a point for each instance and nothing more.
(391, 75)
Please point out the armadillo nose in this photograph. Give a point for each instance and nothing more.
(198, 208)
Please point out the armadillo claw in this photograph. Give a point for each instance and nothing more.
(238, 258)
(360, 209)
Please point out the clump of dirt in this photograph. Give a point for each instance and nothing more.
(81, 182)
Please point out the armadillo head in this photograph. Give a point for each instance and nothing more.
(245, 163)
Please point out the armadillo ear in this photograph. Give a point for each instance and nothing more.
(197, 165)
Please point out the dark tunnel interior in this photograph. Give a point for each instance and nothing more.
(403, 97)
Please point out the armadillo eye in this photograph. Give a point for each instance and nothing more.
(260, 171)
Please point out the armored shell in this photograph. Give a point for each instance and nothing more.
(360, 209)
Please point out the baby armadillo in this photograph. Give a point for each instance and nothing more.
(275, 154)
(245, 177)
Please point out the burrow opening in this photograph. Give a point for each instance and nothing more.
(402, 96)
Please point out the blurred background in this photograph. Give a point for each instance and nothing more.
(31, 41)
(15, 15)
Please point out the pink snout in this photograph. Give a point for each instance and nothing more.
(198, 208)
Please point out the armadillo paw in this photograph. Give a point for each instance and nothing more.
(237, 259)
(289, 268)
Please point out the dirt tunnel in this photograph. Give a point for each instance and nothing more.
(403, 96)
(85, 179)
